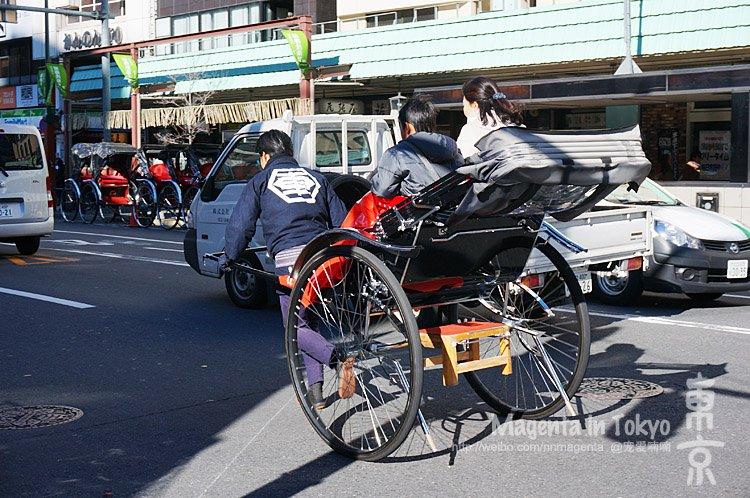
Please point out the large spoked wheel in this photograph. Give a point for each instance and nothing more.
(70, 202)
(90, 201)
(169, 206)
(549, 343)
(359, 312)
(144, 203)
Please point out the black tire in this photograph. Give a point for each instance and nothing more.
(367, 316)
(144, 203)
(245, 289)
(169, 206)
(349, 188)
(107, 212)
(704, 297)
(70, 206)
(27, 245)
(617, 291)
(89, 202)
(567, 335)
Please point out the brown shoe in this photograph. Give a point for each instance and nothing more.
(347, 380)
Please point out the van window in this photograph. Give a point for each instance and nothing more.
(328, 149)
(20, 152)
(240, 165)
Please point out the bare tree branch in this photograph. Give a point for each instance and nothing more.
(191, 111)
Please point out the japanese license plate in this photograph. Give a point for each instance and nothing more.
(737, 268)
(6, 211)
(584, 280)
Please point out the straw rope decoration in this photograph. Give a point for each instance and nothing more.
(212, 114)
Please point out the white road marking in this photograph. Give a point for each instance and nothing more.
(49, 299)
(658, 320)
(163, 249)
(119, 237)
(252, 440)
(121, 256)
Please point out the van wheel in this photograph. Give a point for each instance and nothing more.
(618, 290)
(245, 289)
(349, 188)
(28, 245)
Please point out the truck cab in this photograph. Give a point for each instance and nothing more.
(345, 148)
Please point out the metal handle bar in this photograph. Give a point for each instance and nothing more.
(243, 266)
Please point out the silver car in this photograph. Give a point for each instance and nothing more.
(696, 252)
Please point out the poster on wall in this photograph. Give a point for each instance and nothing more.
(27, 96)
(715, 147)
(8, 97)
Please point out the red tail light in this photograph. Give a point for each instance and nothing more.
(50, 201)
(532, 281)
(634, 264)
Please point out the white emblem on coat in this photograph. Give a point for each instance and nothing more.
(294, 185)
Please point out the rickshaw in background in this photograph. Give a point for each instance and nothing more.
(179, 172)
(445, 271)
(111, 180)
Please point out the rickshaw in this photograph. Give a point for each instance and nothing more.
(438, 281)
(179, 171)
(109, 178)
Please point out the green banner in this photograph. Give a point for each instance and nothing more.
(58, 77)
(42, 83)
(300, 46)
(128, 67)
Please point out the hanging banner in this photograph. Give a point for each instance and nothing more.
(300, 46)
(128, 67)
(59, 78)
(42, 83)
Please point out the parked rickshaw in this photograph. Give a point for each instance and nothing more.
(457, 250)
(179, 171)
(111, 179)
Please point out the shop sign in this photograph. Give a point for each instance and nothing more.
(29, 117)
(90, 38)
(586, 120)
(381, 106)
(715, 147)
(27, 96)
(339, 106)
(8, 97)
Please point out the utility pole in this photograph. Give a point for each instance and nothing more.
(106, 97)
(628, 66)
(49, 116)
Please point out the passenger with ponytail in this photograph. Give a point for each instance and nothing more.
(486, 108)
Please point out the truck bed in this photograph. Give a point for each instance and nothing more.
(608, 234)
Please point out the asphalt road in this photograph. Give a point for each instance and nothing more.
(183, 394)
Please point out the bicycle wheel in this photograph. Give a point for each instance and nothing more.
(89, 202)
(71, 197)
(144, 203)
(169, 205)
(549, 343)
(353, 302)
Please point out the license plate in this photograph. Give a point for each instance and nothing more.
(584, 280)
(6, 211)
(737, 268)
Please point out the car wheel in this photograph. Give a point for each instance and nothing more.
(610, 289)
(28, 245)
(704, 297)
(245, 289)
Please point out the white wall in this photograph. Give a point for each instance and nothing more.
(32, 24)
(734, 199)
(352, 8)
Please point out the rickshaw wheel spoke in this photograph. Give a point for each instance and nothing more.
(538, 342)
(356, 304)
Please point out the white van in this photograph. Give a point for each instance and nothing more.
(26, 207)
(345, 148)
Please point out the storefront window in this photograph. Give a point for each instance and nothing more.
(709, 141)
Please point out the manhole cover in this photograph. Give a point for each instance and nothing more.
(31, 417)
(615, 388)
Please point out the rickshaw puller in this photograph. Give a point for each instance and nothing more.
(294, 204)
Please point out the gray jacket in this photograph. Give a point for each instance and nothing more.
(402, 171)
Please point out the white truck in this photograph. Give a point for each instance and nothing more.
(347, 148)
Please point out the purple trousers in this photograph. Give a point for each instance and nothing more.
(316, 351)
